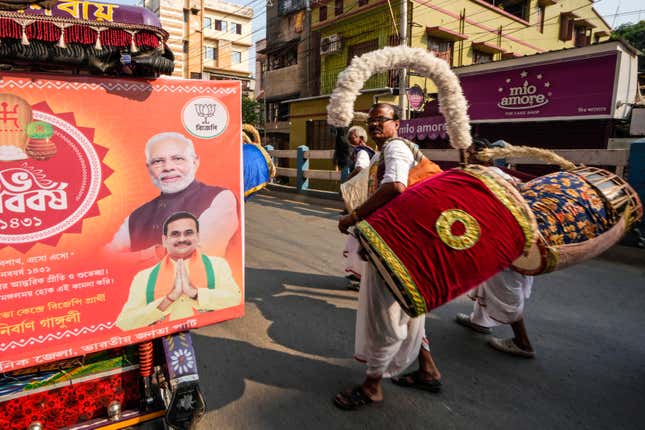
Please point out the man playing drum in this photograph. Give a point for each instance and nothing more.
(500, 299)
(387, 339)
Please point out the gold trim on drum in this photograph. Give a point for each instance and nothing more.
(518, 208)
(410, 289)
(467, 239)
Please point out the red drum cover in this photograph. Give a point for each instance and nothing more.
(446, 235)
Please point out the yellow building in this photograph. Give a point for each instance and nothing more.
(210, 39)
(463, 32)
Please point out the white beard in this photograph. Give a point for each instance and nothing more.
(177, 186)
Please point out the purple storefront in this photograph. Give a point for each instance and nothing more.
(574, 98)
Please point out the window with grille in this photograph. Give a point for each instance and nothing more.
(441, 48)
(480, 57)
(319, 135)
(207, 23)
(322, 13)
(361, 48)
(518, 8)
(338, 7)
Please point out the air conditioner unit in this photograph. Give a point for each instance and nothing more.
(330, 44)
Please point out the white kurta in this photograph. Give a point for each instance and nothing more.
(500, 300)
(387, 339)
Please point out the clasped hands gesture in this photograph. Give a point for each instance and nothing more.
(182, 284)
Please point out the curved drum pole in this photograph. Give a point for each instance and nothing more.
(452, 103)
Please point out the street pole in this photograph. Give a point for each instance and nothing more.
(308, 56)
(403, 74)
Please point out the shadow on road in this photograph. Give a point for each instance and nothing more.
(302, 208)
(298, 305)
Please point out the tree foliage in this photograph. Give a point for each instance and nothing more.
(250, 111)
(633, 33)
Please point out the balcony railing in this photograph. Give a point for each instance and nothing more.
(281, 82)
(379, 80)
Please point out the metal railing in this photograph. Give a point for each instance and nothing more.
(617, 158)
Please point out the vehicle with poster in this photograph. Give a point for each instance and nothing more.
(120, 219)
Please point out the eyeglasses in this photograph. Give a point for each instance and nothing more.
(379, 120)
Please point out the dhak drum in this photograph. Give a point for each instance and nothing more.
(580, 214)
(442, 236)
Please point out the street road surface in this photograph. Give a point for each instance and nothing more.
(281, 364)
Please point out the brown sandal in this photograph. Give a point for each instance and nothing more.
(414, 380)
(353, 399)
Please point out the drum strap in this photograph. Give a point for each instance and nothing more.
(423, 169)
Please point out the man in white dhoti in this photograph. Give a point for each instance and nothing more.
(387, 339)
(500, 300)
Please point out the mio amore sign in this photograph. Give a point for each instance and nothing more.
(569, 88)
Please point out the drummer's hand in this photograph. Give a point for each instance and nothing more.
(345, 223)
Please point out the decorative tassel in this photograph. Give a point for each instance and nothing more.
(24, 40)
(133, 44)
(61, 40)
(98, 45)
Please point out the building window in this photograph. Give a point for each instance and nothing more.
(480, 57)
(322, 13)
(566, 26)
(207, 22)
(236, 28)
(362, 2)
(441, 48)
(185, 15)
(319, 135)
(540, 18)
(518, 8)
(195, 75)
(210, 53)
(184, 47)
(338, 7)
(220, 25)
(236, 57)
(361, 48)
(583, 36)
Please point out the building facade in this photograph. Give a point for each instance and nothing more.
(463, 32)
(210, 39)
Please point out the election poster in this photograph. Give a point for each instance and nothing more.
(120, 212)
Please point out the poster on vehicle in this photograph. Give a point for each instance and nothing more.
(120, 212)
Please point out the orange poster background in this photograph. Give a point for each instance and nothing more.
(123, 115)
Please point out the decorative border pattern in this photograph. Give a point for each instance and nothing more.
(114, 86)
(58, 336)
(405, 282)
(522, 215)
